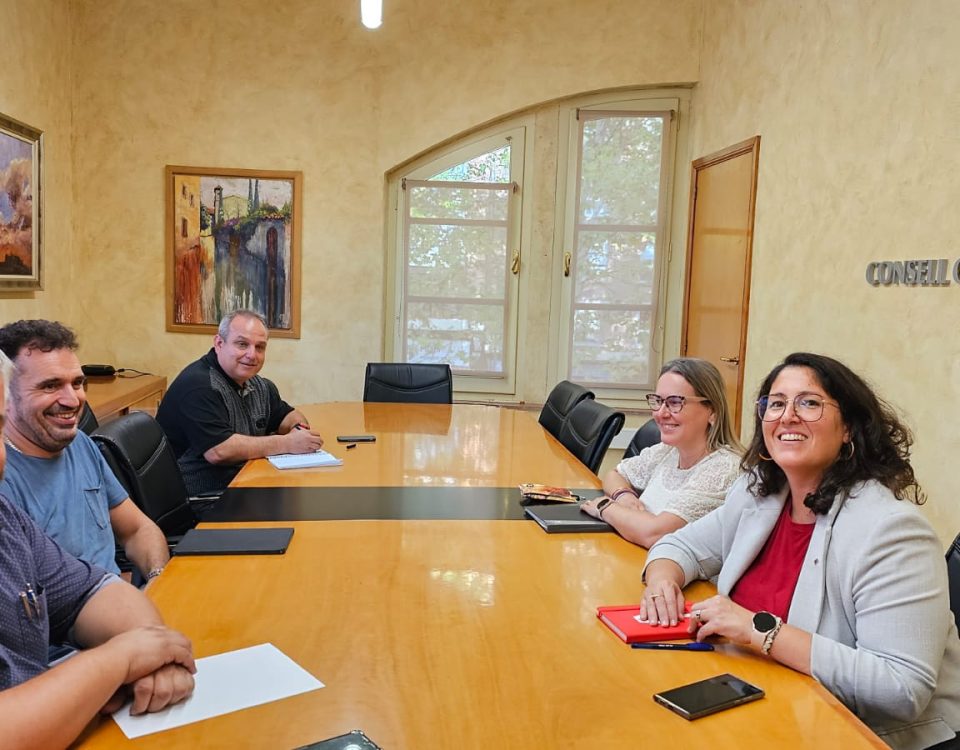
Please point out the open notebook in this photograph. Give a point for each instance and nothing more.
(304, 460)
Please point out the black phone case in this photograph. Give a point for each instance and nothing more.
(675, 701)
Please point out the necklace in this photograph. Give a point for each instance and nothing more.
(700, 457)
(9, 442)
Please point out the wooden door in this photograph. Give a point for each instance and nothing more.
(719, 245)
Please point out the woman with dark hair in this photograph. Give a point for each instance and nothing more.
(822, 561)
(687, 474)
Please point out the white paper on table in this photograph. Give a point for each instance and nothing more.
(224, 683)
(304, 460)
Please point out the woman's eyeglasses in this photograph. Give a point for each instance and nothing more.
(807, 406)
(674, 403)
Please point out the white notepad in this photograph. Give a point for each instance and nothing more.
(304, 460)
(225, 683)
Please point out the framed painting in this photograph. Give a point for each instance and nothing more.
(233, 241)
(20, 206)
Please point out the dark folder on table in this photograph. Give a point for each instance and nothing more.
(562, 519)
(272, 541)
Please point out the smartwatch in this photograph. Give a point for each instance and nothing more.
(601, 506)
(766, 625)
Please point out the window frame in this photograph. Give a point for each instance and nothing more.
(667, 289)
(542, 196)
(518, 133)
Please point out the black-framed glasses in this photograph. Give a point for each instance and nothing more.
(674, 403)
(807, 406)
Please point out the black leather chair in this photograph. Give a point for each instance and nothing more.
(403, 383)
(564, 396)
(647, 435)
(588, 430)
(88, 420)
(953, 575)
(137, 450)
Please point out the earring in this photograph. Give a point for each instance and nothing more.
(763, 457)
(853, 449)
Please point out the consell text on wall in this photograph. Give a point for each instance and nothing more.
(929, 272)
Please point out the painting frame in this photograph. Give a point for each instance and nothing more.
(14, 134)
(231, 237)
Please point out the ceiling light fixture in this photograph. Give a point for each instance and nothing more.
(371, 13)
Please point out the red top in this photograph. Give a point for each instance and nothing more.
(770, 580)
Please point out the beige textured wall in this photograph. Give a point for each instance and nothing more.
(35, 89)
(301, 85)
(858, 105)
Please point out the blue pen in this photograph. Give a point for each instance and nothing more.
(695, 646)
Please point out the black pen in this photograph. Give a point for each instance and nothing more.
(695, 646)
(352, 445)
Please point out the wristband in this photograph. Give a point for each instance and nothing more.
(623, 491)
(154, 572)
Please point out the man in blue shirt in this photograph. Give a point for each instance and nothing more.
(54, 472)
(46, 595)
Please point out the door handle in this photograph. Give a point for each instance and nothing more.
(515, 263)
(567, 257)
(731, 360)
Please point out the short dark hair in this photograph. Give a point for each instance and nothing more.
(881, 442)
(42, 335)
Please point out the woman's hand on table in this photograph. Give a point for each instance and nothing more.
(719, 615)
(590, 506)
(662, 600)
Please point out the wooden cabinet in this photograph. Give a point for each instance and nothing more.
(115, 396)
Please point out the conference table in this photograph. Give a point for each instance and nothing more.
(457, 633)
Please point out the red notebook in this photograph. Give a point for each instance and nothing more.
(624, 621)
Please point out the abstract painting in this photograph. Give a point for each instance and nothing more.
(20, 214)
(233, 241)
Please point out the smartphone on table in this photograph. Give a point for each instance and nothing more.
(356, 438)
(708, 696)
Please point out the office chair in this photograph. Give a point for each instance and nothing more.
(136, 449)
(588, 430)
(953, 576)
(647, 435)
(564, 396)
(88, 420)
(403, 383)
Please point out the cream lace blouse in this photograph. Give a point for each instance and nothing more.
(688, 493)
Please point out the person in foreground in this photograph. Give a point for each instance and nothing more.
(219, 412)
(822, 561)
(686, 475)
(48, 596)
(55, 473)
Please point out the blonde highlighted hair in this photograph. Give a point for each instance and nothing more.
(706, 381)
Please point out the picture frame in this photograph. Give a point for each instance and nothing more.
(21, 206)
(232, 241)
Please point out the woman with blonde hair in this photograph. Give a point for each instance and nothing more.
(688, 473)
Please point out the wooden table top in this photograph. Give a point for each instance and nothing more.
(480, 634)
(107, 395)
(429, 445)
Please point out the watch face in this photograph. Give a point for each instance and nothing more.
(603, 503)
(764, 622)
